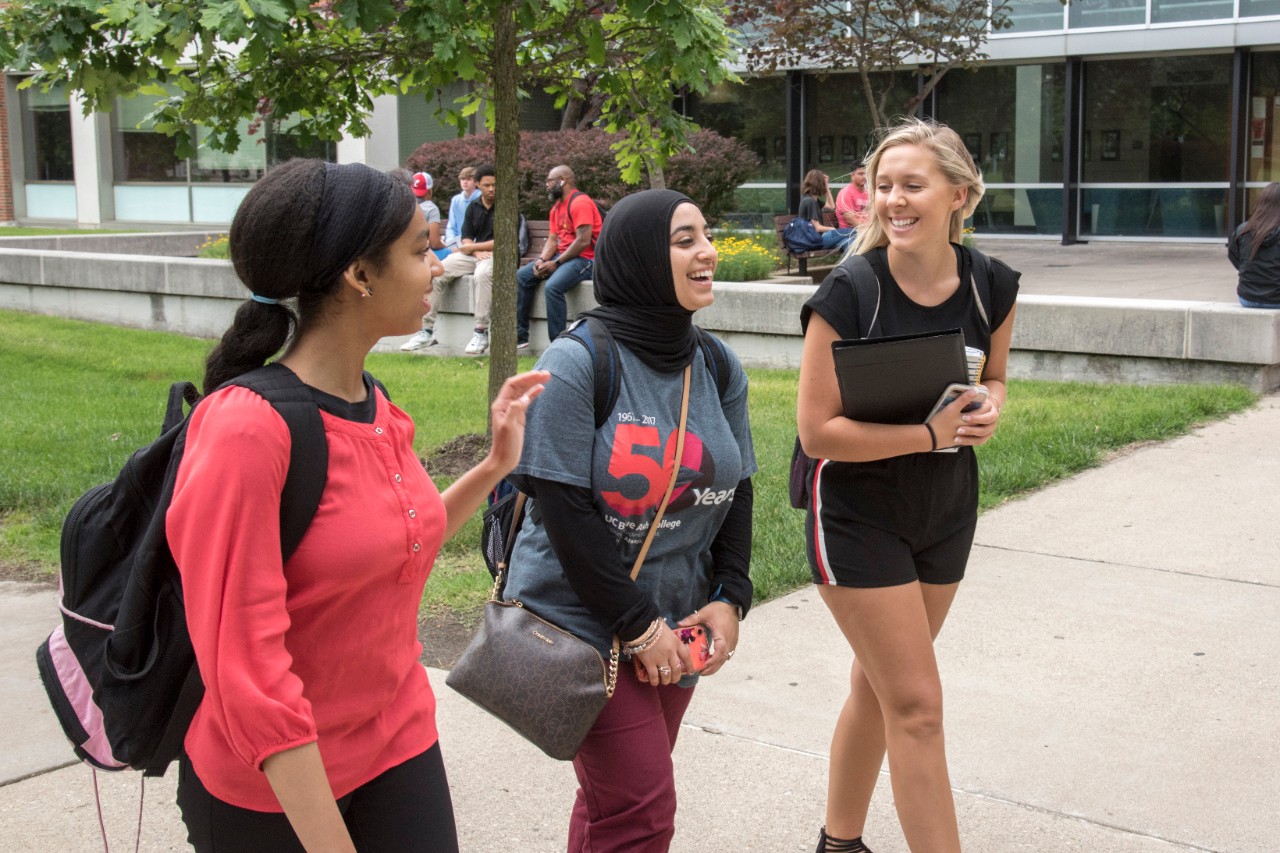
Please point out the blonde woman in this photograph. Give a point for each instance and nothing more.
(890, 525)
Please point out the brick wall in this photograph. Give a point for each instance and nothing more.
(6, 174)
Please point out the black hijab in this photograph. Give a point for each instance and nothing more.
(633, 281)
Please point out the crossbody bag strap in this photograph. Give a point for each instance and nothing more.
(675, 471)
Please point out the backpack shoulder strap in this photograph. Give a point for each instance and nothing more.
(866, 286)
(980, 281)
(308, 451)
(595, 338)
(716, 357)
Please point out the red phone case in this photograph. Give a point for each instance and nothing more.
(700, 642)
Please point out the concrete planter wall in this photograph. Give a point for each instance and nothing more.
(1056, 337)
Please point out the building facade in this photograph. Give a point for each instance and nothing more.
(1100, 119)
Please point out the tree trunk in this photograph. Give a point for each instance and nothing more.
(506, 254)
(657, 177)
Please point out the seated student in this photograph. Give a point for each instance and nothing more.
(1254, 250)
(566, 258)
(815, 190)
(853, 200)
(422, 184)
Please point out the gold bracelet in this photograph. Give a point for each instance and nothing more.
(647, 639)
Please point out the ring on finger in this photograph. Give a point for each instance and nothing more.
(664, 670)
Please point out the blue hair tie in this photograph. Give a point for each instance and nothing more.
(265, 300)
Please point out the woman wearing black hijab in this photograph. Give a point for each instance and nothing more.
(596, 491)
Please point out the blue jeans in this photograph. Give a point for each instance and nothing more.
(838, 238)
(1249, 303)
(565, 278)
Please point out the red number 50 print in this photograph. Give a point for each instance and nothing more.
(628, 461)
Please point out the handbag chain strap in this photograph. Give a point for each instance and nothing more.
(657, 519)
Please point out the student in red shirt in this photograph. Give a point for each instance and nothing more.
(853, 201)
(566, 259)
(317, 727)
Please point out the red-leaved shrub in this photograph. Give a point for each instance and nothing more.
(708, 174)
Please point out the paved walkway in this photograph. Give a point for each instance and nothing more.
(1111, 668)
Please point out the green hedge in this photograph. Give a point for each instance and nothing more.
(708, 174)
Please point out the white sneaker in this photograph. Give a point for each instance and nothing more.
(420, 340)
(479, 343)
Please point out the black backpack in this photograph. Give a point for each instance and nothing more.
(120, 671)
(601, 209)
(503, 518)
(867, 287)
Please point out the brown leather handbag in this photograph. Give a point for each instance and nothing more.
(544, 682)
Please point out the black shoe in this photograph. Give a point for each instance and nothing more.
(827, 844)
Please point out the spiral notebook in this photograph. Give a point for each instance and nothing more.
(896, 380)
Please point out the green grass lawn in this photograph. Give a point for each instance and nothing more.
(77, 398)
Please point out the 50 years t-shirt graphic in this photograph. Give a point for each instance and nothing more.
(640, 468)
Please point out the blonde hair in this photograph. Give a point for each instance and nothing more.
(953, 160)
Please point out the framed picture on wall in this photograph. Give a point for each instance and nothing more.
(780, 149)
(1110, 145)
(973, 141)
(999, 146)
(849, 149)
(826, 149)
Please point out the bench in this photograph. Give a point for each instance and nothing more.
(780, 223)
(539, 231)
(579, 299)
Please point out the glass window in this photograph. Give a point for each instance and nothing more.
(244, 165)
(140, 152)
(46, 139)
(1106, 13)
(1157, 120)
(1029, 16)
(284, 142)
(840, 131)
(753, 112)
(1168, 11)
(1264, 115)
(1010, 118)
(1252, 8)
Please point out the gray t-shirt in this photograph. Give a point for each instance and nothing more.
(430, 210)
(623, 465)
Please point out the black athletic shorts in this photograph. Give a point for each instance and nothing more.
(893, 521)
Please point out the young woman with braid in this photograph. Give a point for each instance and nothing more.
(317, 728)
(890, 524)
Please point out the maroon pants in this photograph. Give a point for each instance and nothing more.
(627, 795)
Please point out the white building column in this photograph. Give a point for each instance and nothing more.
(91, 152)
(381, 148)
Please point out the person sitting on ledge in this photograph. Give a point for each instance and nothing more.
(1254, 250)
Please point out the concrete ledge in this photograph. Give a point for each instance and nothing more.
(1083, 338)
(181, 244)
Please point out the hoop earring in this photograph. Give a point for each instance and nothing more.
(366, 293)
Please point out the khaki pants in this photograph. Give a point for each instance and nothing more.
(456, 266)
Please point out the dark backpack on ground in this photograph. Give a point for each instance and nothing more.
(120, 671)
(522, 236)
(502, 519)
(800, 236)
(867, 286)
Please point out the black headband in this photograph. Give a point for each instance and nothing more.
(355, 201)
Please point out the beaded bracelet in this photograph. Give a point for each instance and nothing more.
(647, 639)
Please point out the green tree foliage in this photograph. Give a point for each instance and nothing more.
(323, 63)
(868, 36)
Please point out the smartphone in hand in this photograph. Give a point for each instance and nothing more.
(954, 390)
(701, 647)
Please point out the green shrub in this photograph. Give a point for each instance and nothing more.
(708, 174)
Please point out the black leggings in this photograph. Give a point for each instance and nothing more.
(407, 808)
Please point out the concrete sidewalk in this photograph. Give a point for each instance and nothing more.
(1111, 668)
